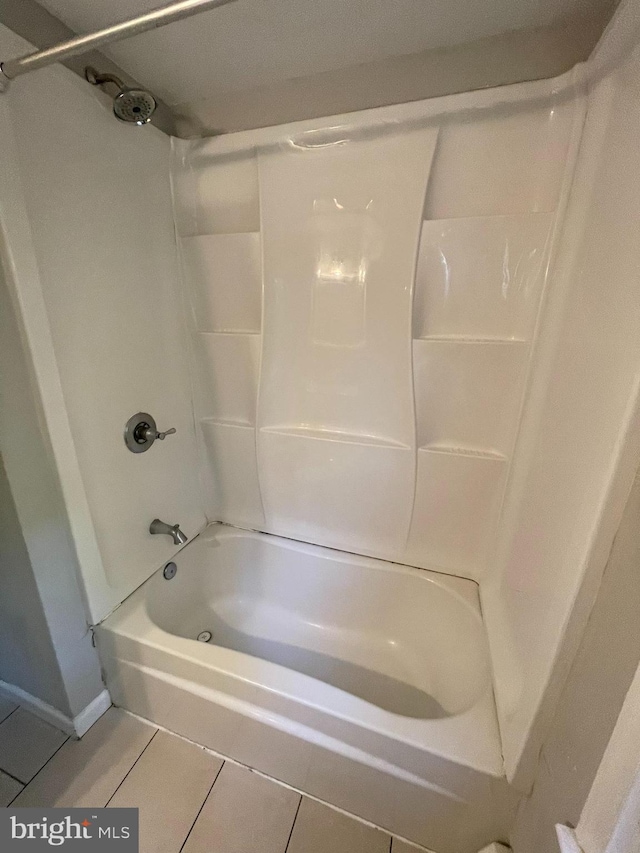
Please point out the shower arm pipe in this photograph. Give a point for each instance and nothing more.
(153, 19)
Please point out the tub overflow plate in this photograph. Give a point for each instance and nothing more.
(169, 571)
(204, 637)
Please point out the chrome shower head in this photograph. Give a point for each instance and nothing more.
(133, 105)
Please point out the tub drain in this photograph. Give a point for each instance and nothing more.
(204, 636)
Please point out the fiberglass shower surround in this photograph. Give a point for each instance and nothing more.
(362, 306)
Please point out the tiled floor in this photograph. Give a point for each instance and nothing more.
(189, 800)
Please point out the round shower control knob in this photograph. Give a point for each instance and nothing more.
(141, 431)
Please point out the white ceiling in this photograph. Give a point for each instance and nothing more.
(255, 43)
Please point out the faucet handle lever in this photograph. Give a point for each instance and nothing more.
(163, 435)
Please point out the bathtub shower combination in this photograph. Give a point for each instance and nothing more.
(334, 673)
(395, 408)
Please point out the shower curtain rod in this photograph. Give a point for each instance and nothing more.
(82, 44)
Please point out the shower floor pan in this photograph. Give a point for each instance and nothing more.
(360, 682)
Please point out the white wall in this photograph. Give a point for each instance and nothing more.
(106, 318)
(578, 445)
(507, 58)
(587, 710)
(364, 292)
(45, 642)
(27, 656)
(609, 820)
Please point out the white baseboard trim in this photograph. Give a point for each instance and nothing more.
(567, 839)
(76, 726)
(92, 713)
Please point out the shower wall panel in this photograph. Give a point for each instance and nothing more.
(578, 444)
(217, 213)
(484, 250)
(362, 310)
(336, 441)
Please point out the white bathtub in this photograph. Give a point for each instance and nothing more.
(363, 683)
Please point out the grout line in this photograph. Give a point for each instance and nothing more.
(15, 778)
(26, 784)
(224, 759)
(10, 714)
(17, 795)
(293, 824)
(131, 768)
(282, 784)
(195, 820)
